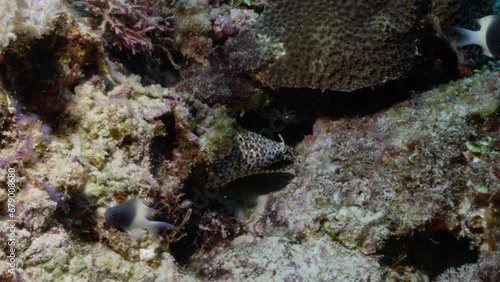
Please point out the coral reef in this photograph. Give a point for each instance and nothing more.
(278, 258)
(387, 187)
(25, 140)
(3, 106)
(222, 75)
(351, 45)
(464, 273)
(228, 23)
(110, 139)
(406, 192)
(459, 12)
(217, 141)
(54, 65)
(99, 148)
(226, 78)
(408, 155)
(53, 256)
(489, 267)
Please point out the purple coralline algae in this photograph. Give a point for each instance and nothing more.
(227, 23)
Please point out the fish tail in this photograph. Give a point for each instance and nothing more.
(469, 37)
(154, 228)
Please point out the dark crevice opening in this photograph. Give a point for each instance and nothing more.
(430, 252)
(239, 194)
(242, 193)
(154, 69)
(162, 148)
(291, 113)
(301, 107)
(78, 216)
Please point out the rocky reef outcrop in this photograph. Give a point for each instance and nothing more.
(410, 191)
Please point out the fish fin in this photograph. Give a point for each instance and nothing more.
(487, 52)
(469, 37)
(143, 210)
(137, 233)
(150, 212)
(486, 21)
(154, 228)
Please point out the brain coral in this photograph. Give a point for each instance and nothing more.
(339, 45)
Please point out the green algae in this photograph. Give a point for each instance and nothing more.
(218, 141)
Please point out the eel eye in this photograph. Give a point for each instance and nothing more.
(113, 214)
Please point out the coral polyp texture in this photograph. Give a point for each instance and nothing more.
(339, 45)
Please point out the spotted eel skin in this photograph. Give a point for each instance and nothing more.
(252, 153)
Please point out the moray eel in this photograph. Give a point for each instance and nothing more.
(252, 153)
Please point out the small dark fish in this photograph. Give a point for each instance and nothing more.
(488, 36)
(133, 216)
